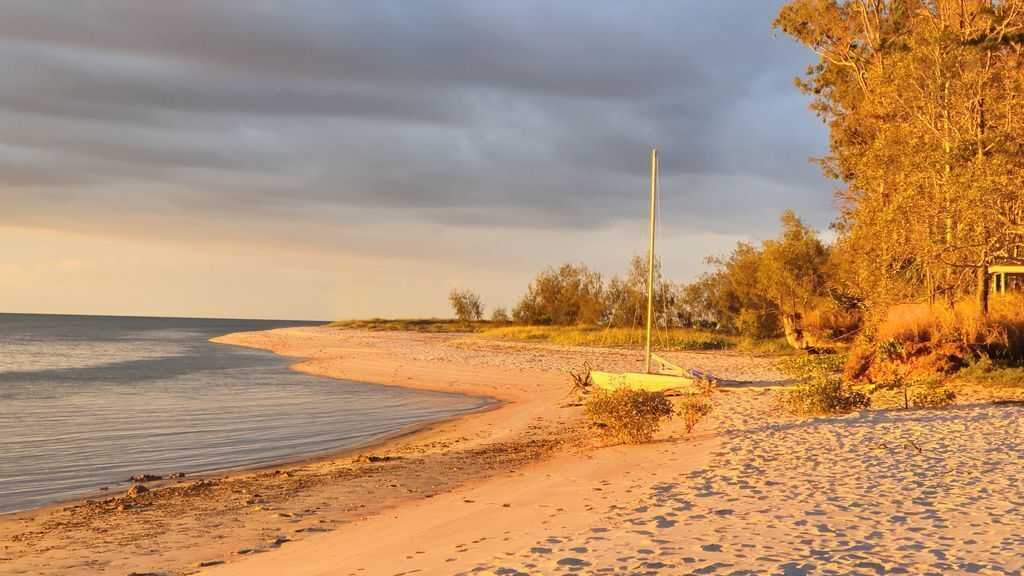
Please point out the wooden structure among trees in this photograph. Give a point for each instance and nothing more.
(1004, 271)
(1002, 274)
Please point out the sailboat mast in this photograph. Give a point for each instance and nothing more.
(650, 260)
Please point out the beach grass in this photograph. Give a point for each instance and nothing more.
(671, 339)
(426, 325)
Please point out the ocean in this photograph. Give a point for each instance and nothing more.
(88, 401)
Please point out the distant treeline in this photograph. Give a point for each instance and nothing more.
(758, 291)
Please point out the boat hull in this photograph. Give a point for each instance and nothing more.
(638, 381)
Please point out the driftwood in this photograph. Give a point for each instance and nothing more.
(581, 381)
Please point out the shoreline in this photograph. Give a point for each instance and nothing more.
(440, 443)
(380, 442)
(528, 489)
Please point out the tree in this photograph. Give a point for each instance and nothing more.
(626, 298)
(466, 305)
(566, 296)
(793, 275)
(736, 297)
(695, 304)
(500, 315)
(762, 291)
(923, 101)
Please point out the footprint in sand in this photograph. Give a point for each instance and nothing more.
(711, 547)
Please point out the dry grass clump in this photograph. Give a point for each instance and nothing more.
(1007, 312)
(824, 396)
(693, 408)
(1001, 331)
(829, 325)
(909, 323)
(628, 415)
(941, 339)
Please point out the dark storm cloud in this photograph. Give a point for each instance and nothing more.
(498, 112)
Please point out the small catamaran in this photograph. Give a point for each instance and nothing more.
(669, 376)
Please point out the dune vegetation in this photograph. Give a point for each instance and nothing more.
(426, 325)
(665, 339)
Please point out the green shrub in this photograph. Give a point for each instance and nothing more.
(931, 393)
(628, 415)
(824, 395)
(692, 409)
(812, 364)
(931, 396)
(988, 371)
(892, 357)
(920, 391)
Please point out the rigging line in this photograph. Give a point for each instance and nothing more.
(660, 237)
(635, 308)
(657, 270)
(636, 294)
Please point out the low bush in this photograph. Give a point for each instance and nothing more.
(824, 395)
(813, 364)
(692, 409)
(627, 415)
(931, 396)
(988, 371)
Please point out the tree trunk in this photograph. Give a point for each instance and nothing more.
(982, 289)
(795, 335)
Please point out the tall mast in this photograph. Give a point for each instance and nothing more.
(650, 260)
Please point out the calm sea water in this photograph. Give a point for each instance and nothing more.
(86, 402)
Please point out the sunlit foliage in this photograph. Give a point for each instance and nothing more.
(925, 106)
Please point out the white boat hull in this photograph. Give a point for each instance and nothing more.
(638, 381)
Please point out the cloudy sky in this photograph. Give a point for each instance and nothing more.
(331, 159)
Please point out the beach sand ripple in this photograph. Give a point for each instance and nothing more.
(880, 492)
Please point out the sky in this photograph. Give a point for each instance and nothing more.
(332, 159)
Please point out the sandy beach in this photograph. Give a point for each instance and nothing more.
(528, 489)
